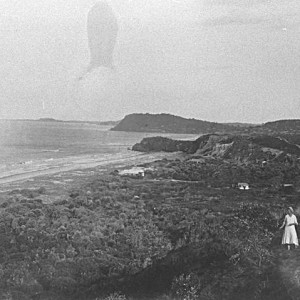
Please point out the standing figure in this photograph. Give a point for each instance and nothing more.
(290, 235)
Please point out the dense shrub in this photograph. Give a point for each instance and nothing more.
(71, 244)
(113, 229)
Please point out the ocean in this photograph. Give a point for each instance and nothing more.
(35, 146)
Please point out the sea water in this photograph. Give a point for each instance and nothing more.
(27, 146)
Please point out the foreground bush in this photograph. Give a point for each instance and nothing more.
(84, 240)
(114, 234)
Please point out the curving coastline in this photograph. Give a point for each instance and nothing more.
(38, 168)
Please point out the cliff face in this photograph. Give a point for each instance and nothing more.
(234, 147)
(169, 123)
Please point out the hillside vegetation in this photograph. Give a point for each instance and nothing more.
(167, 123)
(284, 125)
(183, 231)
(160, 239)
(225, 145)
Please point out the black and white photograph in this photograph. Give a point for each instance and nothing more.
(149, 149)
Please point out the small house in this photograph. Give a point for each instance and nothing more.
(288, 188)
(133, 172)
(243, 186)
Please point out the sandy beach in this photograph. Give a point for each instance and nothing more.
(66, 172)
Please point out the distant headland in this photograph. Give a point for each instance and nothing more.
(103, 123)
(167, 123)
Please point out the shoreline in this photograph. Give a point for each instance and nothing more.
(75, 170)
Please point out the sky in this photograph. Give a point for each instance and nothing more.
(215, 60)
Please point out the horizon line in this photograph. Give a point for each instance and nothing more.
(163, 113)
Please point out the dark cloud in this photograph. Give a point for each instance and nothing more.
(102, 29)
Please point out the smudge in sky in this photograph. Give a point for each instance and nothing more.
(102, 29)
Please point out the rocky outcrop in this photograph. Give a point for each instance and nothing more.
(214, 145)
(157, 144)
(240, 148)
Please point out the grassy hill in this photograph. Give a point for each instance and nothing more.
(221, 145)
(283, 125)
(169, 123)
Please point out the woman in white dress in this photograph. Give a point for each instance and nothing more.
(290, 234)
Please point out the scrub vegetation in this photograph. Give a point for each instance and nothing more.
(183, 231)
